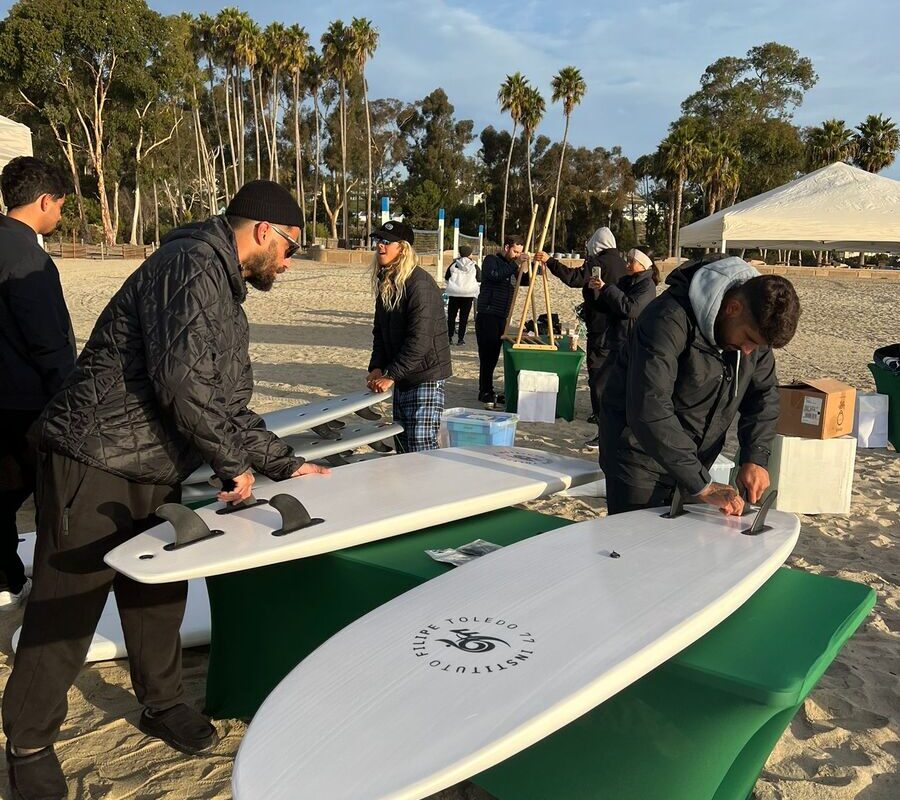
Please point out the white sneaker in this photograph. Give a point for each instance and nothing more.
(10, 601)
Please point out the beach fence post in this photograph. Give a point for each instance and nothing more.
(440, 247)
(385, 210)
(456, 237)
(480, 243)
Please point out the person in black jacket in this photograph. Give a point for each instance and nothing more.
(410, 350)
(499, 273)
(161, 386)
(700, 354)
(602, 256)
(37, 345)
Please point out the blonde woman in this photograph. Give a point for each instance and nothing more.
(410, 351)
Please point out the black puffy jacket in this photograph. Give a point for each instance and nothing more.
(672, 396)
(596, 318)
(497, 285)
(163, 383)
(410, 343)
(624, 301)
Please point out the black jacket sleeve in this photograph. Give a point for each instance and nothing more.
(378, 359)
(576, 278)
(182, 364)
(37, 306)
(269, 455)
(627, 304)
(759, 411)
(423, 308)
(654, 351)
(498, 270)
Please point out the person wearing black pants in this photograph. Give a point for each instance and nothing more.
(37, 345)
(498, 275)
(162, 385)
(462, 279)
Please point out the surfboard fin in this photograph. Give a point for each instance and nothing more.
(368, 413)
(677, 507)
(336, 460)
(758, 525)
(382, 446)
(294, 516)
(189, 527)
(324, 431)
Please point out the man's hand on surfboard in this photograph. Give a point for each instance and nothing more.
(723, 497)
(243, 488)
(310, 469)
(754, 479)
(377, 382)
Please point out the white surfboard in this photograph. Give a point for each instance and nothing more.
(109, 641)
(476, 665)
(358, 503)
(295, 419)
(310, 446)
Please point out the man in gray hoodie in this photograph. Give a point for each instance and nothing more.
(700, 354)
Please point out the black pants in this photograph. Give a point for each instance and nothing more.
(83, 513)
(598, 377)
(489, 330)
(622, 496)
(17, 467)
(461, 306)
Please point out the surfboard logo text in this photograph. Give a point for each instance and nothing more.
(476, 645)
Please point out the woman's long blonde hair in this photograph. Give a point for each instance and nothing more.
(389, 283)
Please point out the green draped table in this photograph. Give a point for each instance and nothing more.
(563, 362)
(700, 727)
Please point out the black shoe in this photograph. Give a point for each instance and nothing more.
(486, 397)
(593, 444)
(500, 400)
(460, 342)
(592, 419)
(180, 727)
(37, 776)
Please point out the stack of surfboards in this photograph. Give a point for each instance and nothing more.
(358, 503)
(474, 666)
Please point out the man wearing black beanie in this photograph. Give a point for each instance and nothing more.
(161, 386)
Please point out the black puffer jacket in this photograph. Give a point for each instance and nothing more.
(612, 268)
(163, 383)
(497, 285)
(624, 302)
(410, 343)
(672, 396)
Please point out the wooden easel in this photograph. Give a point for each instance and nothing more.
(523, 340)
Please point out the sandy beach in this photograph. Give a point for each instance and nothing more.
(310, 338)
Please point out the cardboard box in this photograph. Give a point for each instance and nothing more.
(816, 409)
(813, 476)
(870, 425)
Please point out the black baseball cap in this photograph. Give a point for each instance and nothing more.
(395, 231)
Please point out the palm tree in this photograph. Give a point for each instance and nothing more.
(719, 170)
(830, 142)
(204, 39)
(313, 75)
(511, 98)
(225, 31)
(365, 41)
(340, 61)
(296, 49)
(533, 109)
(681, 154)
(568, 86)
(276, 48)
(877, 143)
(248, 53)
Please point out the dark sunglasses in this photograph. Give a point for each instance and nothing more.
(293, 244)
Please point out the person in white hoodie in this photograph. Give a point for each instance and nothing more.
(463, 277)
(699, 356)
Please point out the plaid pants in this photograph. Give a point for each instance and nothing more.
(418, 409)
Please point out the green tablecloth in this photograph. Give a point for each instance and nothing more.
(700, 727)
(563, 362)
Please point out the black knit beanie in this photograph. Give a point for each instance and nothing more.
(265, 201)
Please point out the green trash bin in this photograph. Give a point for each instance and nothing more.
(887, 382)
(563, 362)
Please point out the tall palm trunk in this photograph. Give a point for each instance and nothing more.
(234, 168)
(369, 154)
(256, 121)
(298, 163)
(274, 165)
(343, 122)
(506, 185)
(215, 106)
(678, 197)
(528, 169)
(315, 218)
(562, 155)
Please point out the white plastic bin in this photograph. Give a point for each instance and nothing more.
(870, 424)
(537, 396)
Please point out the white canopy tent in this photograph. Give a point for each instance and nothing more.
(838, 207)
(15, 140)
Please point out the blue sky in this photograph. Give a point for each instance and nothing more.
(640, 58)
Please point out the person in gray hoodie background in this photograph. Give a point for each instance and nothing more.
(700, 355)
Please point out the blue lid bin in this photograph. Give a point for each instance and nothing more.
(467, 427)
